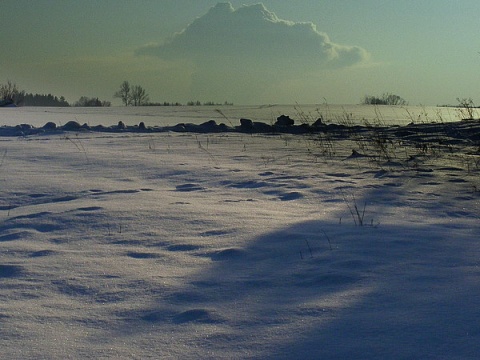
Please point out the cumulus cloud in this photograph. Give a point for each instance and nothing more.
(253, 31)
(251, 43)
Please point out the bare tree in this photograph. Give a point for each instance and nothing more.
(138, 96)
(132, 95)
(10, 92)
(124, 93)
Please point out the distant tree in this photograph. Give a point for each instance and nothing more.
(385, 99)
(132, 95)
(207, 103)
(10, 92)
(91, 102)
(124, 93)
(138, 96)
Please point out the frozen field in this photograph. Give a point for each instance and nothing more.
(233, 246)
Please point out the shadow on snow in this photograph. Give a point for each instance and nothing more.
(318, 289)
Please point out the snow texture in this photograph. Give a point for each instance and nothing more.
(235, 246)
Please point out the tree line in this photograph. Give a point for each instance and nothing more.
(11, 94)
(43, 100)
(130, 95)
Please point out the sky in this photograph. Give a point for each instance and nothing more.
(245, 52)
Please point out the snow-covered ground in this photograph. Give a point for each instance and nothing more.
(235, 246)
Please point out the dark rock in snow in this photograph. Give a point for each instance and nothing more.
(246, 124)
(71, 125)
(191, 127)
(262, 127)
(284, 120)
(23, 127)
(318, 123)
(300, 129)
(208, 126)
(50, 126)
(223, 128)
(179, 128)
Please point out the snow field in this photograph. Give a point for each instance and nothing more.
(234, 246)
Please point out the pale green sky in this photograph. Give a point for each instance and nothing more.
(425, 51)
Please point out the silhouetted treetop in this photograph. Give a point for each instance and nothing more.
(385, 99)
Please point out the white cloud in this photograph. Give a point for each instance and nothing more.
(251, 45)
(254, 32)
